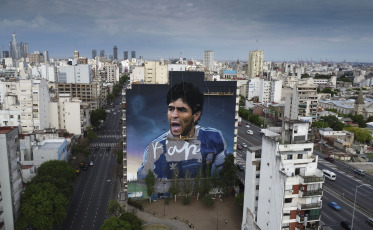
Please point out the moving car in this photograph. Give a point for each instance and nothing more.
(335, 206)
(250, 132)
(108, 149)
(247, 125)
(330, 159)
(239, 146)
(244, 145)
(360, 172)
(346, 225)
(91, 163)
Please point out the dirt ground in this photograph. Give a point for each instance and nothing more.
(226, 213)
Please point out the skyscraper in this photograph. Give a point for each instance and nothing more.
(133, 54)
(115, 53)
(125, 55)
(102, 53)
(208, 60)
(46, 56)
(94, 54)
(255, 65)
(17, 51)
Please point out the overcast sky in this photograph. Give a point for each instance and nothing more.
(286, 30)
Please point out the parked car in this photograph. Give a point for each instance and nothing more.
(346, 225)
(77, 171)
(85, 166)
(108, 149)
(335, 206)
(244, 145)
(239, 124)
(360, 172)
(330, 159)
(250, 132)
(239, 146)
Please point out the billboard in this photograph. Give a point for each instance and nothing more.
(173, 132)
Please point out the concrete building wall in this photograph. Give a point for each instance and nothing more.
(10, 176)
(255, 64)
(138, 75)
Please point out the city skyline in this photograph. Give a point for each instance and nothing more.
(286, 31)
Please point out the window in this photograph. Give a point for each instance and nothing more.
(289, 157)
(257, 187)
(300, 156)
(288, 200)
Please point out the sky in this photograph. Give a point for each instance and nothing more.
(286, 30)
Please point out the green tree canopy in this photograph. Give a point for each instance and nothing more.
(228, 173)
(43, 206)
(359, 119)
(150, 182)
(114, 223)
(115, 209)
(320, 124)
(91, 134)
(361, 135)
(59, 173)
(132, 219)
(110, 97)
(97, 115)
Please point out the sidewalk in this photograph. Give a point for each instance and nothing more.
(150, 219)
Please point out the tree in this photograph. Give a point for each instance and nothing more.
(150, 182)
(132, 219)
(43, 206)
(228, 173)
(97, 115)
(91, 134)
(242, 101)
(206, 185)
(239, 199)
(174, 184)
(320, 124)
(114, 223)
(243, 113)
(110, 97)
(358, 119)
(115, 209)
(58, 173)
(361, 135)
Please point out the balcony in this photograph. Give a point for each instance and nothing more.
(316, 177)
(300, 218)
(311, 193)
(312, 228)
(309, 206)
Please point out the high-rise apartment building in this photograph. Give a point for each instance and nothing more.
(283, 186)
(255, 64)
(125, 55)
(133, 54)
(76, 54)
(156, 72)
(115, 53)
(94, 54)
(10, 177)
(25, 104)
(302, 102)
(46, 56)
(80, 73)
(102, 53)
(208, 60)
(17, 50)
(36, 57)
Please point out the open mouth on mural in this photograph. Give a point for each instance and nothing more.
(175, 126)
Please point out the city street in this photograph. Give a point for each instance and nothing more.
(95, 186)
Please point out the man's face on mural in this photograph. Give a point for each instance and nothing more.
(181, 119)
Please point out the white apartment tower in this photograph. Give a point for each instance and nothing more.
(25, 104)
(255, 65)
(208, 60)
(302, 102)
(11, 185)
(283, 186)
(156, 72)
(79, 74)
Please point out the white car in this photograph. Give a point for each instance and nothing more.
(91, 163)
(250, 132)
(244, 145)
(247, 125)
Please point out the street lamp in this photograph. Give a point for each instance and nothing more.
(164, 200)
(353, 211)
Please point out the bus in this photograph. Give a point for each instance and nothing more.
(329, 174)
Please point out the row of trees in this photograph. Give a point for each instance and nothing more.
(253, 118)
(202, 184)
(45, 199)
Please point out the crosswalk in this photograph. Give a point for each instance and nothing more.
(103, 144)
(110, 136)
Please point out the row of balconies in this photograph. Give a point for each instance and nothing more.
(309, 206)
